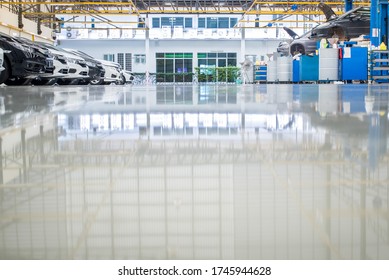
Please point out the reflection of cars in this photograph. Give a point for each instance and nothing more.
(21, 62)
(349, 25)
(112, 72)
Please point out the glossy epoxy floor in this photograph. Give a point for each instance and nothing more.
(194, 172)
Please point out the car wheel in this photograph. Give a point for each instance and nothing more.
(4, 75)
(296, 49)
(97, 82)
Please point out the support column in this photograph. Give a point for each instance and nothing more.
(20, 16)
(242, 43)
(147, 49)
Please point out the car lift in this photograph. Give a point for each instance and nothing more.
(379, 22)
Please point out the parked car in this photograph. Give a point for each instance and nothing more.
(128, 77)
(21, 61)
(59, 68)
(78, 69)
(349, 25)
(96, 69)
(112, 72)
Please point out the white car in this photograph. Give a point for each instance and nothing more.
(128, 77)
(77, 67)
(113, 72)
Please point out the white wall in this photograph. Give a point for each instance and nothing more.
(97, 48)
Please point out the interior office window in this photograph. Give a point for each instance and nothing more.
(140, 58)
(201, 23)
(170, 64)
(165, 21)
(109, 57)
(179, 21)
(156, 23)
(121, 59)
(211, 22)
(223, 22)
(216, 59)
(188, 23)
(141, 22)
(128, 62)
(233, 22)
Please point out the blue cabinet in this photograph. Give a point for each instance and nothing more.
(309, 68)
(353, 65)
(260, 72)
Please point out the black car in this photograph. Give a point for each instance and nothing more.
(349, 25)
(21, 61)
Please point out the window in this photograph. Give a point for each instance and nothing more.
(140, 58)
(224, 22)
(174, 67)
(217, 22)
(201, 23)
(109, 57)
(216, 59)
(156, 23)
(128, 62)
(188, 23)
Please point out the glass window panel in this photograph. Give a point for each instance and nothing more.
(188, 55)
(160, 66)
(201, 23)
(188, 65)
(165, 21)
(221, 63)
(160, 55)
(223, 22)
(179, 68)
(211, 62)
(169, 66)
(211, 22)
(202, 62)
(221, 55)
(179, 21)
(156, 23)
(233, 21)
(169, 55)
(188, 23)
(211, 55)
(178, 55)
(231, 62)
(201, 55)
(231, 54)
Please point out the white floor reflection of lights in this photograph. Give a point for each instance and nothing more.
(194, 172)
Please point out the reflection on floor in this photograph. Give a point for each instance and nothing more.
(194, 172)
